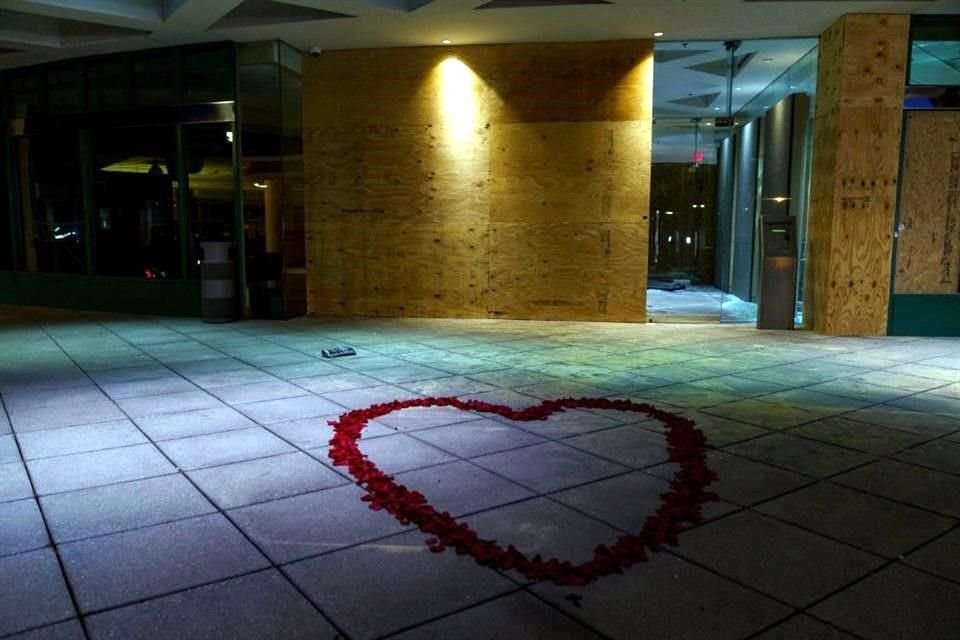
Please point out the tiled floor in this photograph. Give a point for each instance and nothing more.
(163, 478)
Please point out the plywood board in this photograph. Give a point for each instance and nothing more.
(569, 172)
(857, 133)
(542, 270)
(928, 249)
(418, 198)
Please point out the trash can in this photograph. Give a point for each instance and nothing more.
(217, 282)
(778, 273)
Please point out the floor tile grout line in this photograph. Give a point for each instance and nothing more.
(840, 414)
(799, 614)
(233, 524)
(47, 625)
(877, 456)
(311, 453)
(167, 594)
(524, 589)
(875, 571)
(888, 456)
(308, 391)
(74, 602)
(831, 478)
(107, 534)
(547, 439)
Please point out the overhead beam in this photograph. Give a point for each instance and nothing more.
(131, 14)
(24, 31)
(192, 16)
(357, 8)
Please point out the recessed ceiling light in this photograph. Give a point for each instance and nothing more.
(709, 124)
(716, 108)
(739, 88)
(446, 41)
(657, 34)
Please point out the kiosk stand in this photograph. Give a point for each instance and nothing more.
(778, 273)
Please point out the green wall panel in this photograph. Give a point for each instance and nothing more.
(925, 315)
(128, 295)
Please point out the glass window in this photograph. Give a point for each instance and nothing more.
(688, 124)
(51, 203)
(108, 84)
(154, 78)
(26, 89)
(134, 198)
(209, 158)
(208, 74)
(935, 51)
(64, 89)
(6, 252)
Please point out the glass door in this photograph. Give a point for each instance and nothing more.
(691, 97)
(211, 197)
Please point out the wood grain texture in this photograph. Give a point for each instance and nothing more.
(507, 181)
(928, 250)
(822, 183)
(857, 133)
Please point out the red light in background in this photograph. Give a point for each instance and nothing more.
(698, 156)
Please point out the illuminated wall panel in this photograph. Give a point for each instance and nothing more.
(482, 181)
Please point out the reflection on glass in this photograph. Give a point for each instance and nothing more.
(682, 229)
(690, 100)
(777, 176)
(26, 89)
(51, 199)
(6, 250)
(711, 126)
(64, 88)
(209, 158)
(108, 84)
(270, 91)
(207, 74)
(935, 51)
(153, 74)
(134, 191)
(935, 63)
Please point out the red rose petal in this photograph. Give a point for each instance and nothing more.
(680, 506)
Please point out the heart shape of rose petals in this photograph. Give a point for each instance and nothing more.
(686, 445)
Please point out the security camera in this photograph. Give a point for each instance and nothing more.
(315, 52)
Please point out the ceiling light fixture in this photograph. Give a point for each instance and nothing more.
(260, 185)
(446, 41)
(657, 34)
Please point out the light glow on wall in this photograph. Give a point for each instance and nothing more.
(458, 101)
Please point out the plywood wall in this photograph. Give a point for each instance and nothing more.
(857, 132)
(928, 250)
(486, 181)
